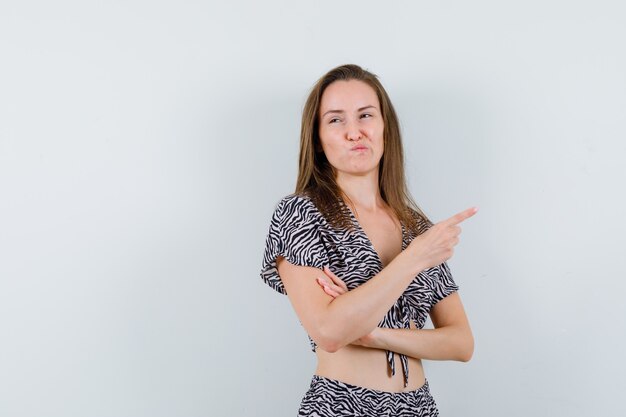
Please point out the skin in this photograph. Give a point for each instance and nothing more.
(351, 347)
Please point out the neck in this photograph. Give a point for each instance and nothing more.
(362, 190)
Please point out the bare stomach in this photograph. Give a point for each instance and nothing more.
(365, 367)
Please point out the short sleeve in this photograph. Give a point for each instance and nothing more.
(444, 285)
(294, 233)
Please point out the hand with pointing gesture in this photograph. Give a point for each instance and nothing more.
(436, 245)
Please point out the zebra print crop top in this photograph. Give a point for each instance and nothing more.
(299, 232)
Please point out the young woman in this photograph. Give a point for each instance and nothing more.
(360, 263)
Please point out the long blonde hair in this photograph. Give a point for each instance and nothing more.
(316, 177)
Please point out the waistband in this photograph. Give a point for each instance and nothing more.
(333, 383)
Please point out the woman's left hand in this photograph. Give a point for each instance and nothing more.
(332, 284)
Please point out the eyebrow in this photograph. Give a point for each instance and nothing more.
(341, 111)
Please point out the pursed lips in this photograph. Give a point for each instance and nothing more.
(358, 148)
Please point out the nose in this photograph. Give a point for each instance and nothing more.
(353, 132)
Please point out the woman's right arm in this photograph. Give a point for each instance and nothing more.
(335, 322)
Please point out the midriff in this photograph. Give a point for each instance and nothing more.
(368, 368)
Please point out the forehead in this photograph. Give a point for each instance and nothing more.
(348, 96)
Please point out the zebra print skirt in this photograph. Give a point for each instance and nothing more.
(331, 398)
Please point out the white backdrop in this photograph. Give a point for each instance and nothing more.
(144, 145)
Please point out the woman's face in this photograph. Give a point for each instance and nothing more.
(351, 127)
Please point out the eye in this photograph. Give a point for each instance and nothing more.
(366, 116)
(334, 120)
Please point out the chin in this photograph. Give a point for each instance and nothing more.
(360, 171)
(357, 168)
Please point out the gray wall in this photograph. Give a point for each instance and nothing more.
(143, 146)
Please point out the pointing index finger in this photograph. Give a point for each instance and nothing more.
(459, 217)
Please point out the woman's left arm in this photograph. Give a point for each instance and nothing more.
(451, 339)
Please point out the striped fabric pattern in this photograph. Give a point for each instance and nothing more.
(330, 398)
(300, 233)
